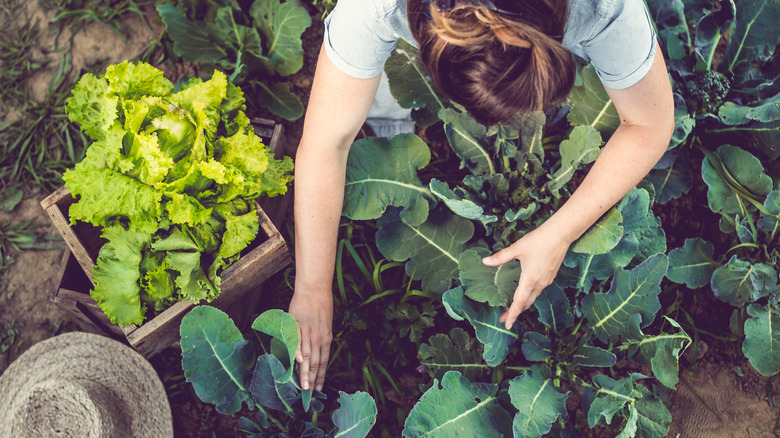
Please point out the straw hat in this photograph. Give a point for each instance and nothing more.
(83, 385)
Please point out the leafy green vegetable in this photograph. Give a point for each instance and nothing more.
(180, 169)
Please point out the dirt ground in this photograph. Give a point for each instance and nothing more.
(712, 400)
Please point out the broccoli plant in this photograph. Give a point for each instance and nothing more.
(706, 91)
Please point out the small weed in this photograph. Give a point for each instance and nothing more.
(23, 236)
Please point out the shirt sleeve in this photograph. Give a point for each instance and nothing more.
(623, 51)
(357, 38)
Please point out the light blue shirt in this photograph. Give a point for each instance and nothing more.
(616, 36)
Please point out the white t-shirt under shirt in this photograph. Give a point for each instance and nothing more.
(616, 36)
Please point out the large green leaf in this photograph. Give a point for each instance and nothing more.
(554, 308)
(460, 203)
(408, 80)
(709, 30)
(754, 37)
(355, 416)
(282, 326)
(692, 264)
(116, 275)
(631, 292)
(673, 180)
(590, 104)
(468, 139)
(190, 41)
(653, 417)
(769, 223)
(732, 173)
(580, 270)
(494, 285)
(582, 147)
(538, 402)
(640, 224)
(762, 339)
(607, 397)
(278, 98)
(536, 347)
(661, 351)
(765, 111)
(282, 25)
(458, 408)
(603, 236)
(216, 358)
(432, 248)
(532, 134)
(456, 352)
(269, 387)
(740, 282)
(683, 121)
(672, 27)
(382, 172)
(492, 333)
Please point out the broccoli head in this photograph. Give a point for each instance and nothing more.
(706, 91)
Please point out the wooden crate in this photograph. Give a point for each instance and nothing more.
(267, 255)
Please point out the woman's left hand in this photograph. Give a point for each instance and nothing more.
(540, 253)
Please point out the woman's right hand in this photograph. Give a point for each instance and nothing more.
(313, 311)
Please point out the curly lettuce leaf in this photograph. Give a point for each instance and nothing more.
(92, 107)
(105, 196)
(151, 165)
(192, 281)
(184, 209)
(276, 177)
(131, 81)
(117, 274)
(244, 151)
(240, 231)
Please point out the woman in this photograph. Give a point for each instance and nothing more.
(498, 59)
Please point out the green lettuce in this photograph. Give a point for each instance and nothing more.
(172, 178)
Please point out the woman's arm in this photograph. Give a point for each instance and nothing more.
(337, 108)
(646, 112)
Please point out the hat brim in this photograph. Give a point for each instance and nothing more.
(85, 356)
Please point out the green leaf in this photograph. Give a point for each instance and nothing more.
(494, 285)
(184, 209)
(270, 387)
(709, 30)
(631, 292)
(381, 173)
(590, 104)
(468, 139)
(762, 339)
(116, 275)
(653, 417)
(459, 204)
(408, 79)
(432, 248)
(731, 173)
(672, 27)
(532, 133)
(589, 356)
(683, 122)
(190, 41)
(136, 80)
(554, 308)
(607, 397)
(768, 223)
(281, 325)
(458, 352)
(240, 231)
(672, 181)
(538, 402)
(458, 408)
(740, 282)
(282, 25)
(216, 358)
(754, 37)
(764, 111)
(192, 281)
(495, 338)
(641, 225)
(228, 33)
(92, 106)
(692, 264)
(582, 147)
(536, 347)
(278, 98)
(603, 236)
(355, 416)
(662, 351)
(176, 241)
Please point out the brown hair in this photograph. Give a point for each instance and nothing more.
(498, 66)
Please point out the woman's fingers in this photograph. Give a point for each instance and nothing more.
(303, 369)
(319, 380)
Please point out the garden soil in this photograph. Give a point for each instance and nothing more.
(719, 394)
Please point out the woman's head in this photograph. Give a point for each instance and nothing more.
(498, 59)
